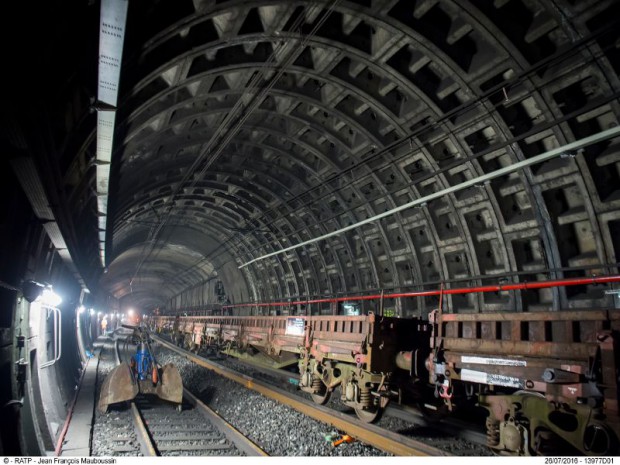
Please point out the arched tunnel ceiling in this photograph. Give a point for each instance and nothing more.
(362, 106)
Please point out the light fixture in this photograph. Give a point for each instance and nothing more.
(49, 297)
(81, 309)
(92, 311)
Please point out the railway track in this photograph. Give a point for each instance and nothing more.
(194, 429)
(451, 426)
(370, 434)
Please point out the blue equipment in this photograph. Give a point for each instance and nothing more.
(142, 375)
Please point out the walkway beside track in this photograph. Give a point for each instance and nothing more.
(76, 441)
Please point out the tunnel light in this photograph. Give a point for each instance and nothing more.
(49, 297)
(81, 309)
(92, 311)
(99, 314)
(130, 312)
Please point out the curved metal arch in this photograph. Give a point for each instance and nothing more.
(163, 264)
(144, 299)
(276, 195)
(210, 223)
(231, 175)
(528, 178)
(301, 97)
(201, 185)
(369, 16)
(383, 234)
(395, 77)
(458, 143)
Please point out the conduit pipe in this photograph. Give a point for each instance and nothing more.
(568, 148)
(462, 290)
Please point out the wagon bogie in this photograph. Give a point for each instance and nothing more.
(545, 378)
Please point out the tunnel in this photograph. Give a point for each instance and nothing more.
(186, 157)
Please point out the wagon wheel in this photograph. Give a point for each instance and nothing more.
(323, 394)
(369, 415)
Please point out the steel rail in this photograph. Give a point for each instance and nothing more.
(450, 425)
(462, 290)
(147, 444)
(370, 434)
(65, 428)
(240, 441)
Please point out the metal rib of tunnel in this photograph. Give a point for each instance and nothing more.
(358, 107)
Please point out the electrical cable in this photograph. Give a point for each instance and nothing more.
(601, 136)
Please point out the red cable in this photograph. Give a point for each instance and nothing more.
(69, 414)
(462, 290)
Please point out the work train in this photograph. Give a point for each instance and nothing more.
(548, 380)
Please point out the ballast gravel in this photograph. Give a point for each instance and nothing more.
(259, 422)
(431, 436)
(276, 428)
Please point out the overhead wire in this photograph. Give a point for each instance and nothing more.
(602, 136)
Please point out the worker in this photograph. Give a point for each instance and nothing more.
(104, 326)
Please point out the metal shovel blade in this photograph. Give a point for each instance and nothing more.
(118, 386)
(171, 386)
